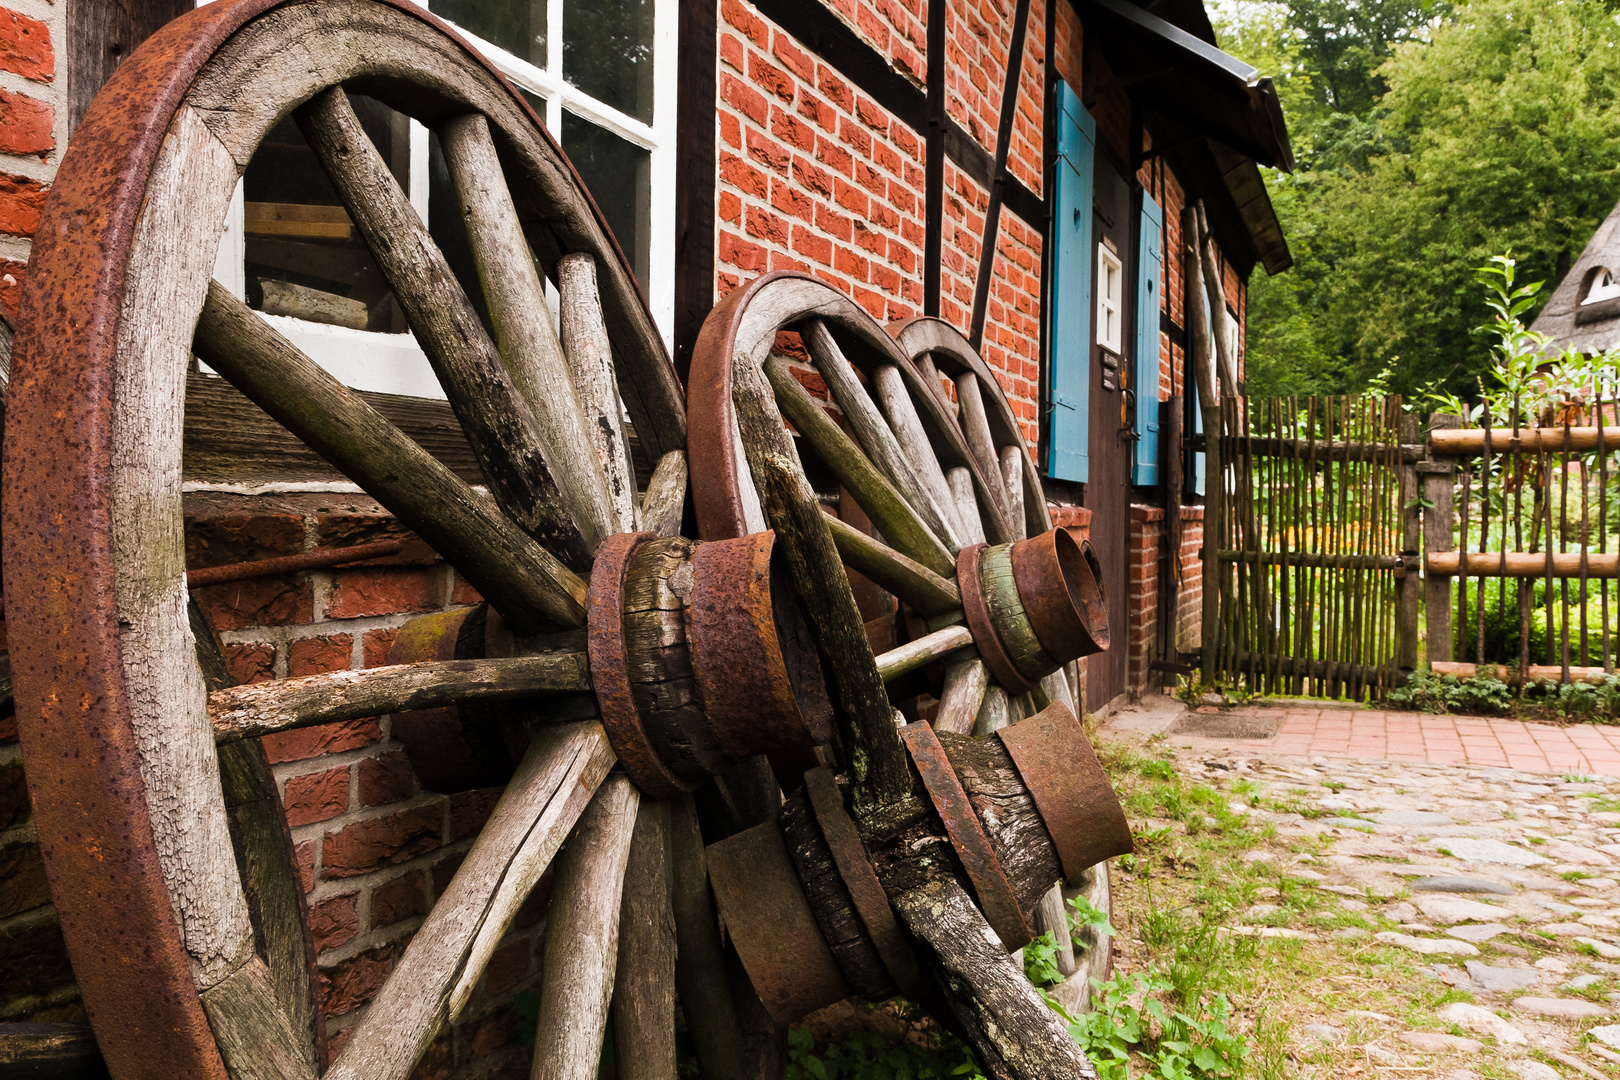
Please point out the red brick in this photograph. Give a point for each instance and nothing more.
(352, 528)
(316, 796)
(386, 779)
(789, 200)
(309, 742)
(384, 841)
(732, 51)
(855, 137)
(744, 98)
(496, 1030)
(506, 967)
(885, 278)
(353, 982)
(400, 899)
(374, 647)
(835, 88)
(273, 601)
(794, 58)
(470, 809)
(873, 28)
(740, 253)
(847, 262)
(870, 179)
(21, 201)
(738, 173)
(11, 275)
(25, 48)
(730, 208)
(770, 78)
(767, 226)
(27, 126)
(831, 221)
(730, 130)
(736, 14)
(334, 921)
(793, 131)
(906, 140)
(304, 857)
(852, 198)
(386, 591)
(445, 870)
(811, 245)
(462, 592)
(218, 539)
(834, 156)
(318, 655)
(251, 662)
(872, 115)
(817, 111)
(768, 152)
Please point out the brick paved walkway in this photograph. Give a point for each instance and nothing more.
(1589, 749)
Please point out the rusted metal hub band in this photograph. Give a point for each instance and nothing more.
(984, 631)
(768, 917)
(1076, 802)
(610, 670)
(1060, 585)
(855, 869)
(753, 660)
(996, 897)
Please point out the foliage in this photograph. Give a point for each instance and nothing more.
(1176, 1045)
(1482, 695)
(870, 1055)
(1429, 137)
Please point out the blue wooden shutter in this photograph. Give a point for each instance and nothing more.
(1149, 261)
(1069, 351)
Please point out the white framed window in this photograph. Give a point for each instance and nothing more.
(1110, 300)
(601, 74)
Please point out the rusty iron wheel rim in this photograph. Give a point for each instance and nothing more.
(995, 893)
(74, 713)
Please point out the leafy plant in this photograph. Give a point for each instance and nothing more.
(1425, 691)
(1176, 1045)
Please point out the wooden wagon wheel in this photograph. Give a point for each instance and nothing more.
(190, 951)
(950, 503)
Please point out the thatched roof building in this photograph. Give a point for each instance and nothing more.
(1584, 314)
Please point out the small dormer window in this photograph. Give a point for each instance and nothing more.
(1600, 286)
(1110, 300)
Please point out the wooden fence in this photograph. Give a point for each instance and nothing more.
(1317, 545)
(1521, 555)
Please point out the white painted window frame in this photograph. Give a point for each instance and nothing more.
(394, 363)
(1110, 301)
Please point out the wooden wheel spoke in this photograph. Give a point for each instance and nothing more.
(976, 427)
(925, 650)
(664, 502)
(643, 1006)
(525, 582)
(582, 937)
(551, 790)
(245, 712)
(919, 587)
(965, 684)
(888, 509)
(874, 435)
(913, 438)
(527, 340)
(1012, 484)
(498, 423)
(590, 358)
(700, 962)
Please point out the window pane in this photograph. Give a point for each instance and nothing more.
(608, 53)
(518, 26)
(618, 175)
(304, 257)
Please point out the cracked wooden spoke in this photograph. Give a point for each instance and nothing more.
(447, 956)
(926, 592)
(524, 581)
(245, 712)
(497, 421)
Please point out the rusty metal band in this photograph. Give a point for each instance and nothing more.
(855, 869)
(996, 897)
(1061, 594)
(984, 632)
(287, 564)
(1076, 802)
(768, 919)
(610, 669)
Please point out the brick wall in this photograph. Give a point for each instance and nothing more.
(33, 127)
(1148, 537)
(375, 848)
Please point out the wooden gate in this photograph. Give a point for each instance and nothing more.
(1316, 540)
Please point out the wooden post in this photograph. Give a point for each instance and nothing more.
(1174, 485)
(1406, 612)
(1204, 370)
(1439, 518)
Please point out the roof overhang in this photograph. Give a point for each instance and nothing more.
(1189, 82)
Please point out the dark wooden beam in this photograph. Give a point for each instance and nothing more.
(992, 216)
(934, 167)
(100, 34)
(695, 163)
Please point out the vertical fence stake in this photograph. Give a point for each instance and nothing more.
(1439, 519)
(1411, 432)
